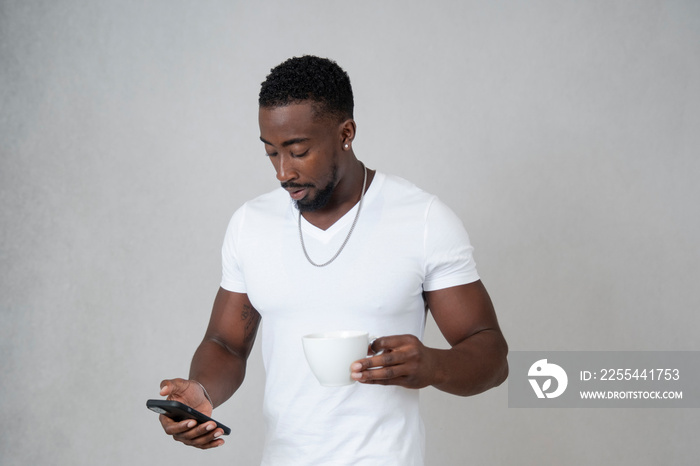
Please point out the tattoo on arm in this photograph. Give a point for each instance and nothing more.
(251, 317)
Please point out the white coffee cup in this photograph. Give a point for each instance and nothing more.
(330, 354)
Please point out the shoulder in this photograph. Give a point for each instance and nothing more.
(399, 189)
(405, 196)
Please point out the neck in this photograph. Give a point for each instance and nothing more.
(346, 194)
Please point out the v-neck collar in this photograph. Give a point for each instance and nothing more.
(343, 222)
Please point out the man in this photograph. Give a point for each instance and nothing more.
(352, 249)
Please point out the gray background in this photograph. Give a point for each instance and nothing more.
(564, 134)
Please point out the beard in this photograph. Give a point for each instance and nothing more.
(323, 196)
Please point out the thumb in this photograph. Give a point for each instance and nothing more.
(171, 387)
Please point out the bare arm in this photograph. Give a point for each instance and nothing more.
(475, 362)
(218, 365)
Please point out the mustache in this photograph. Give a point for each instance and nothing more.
(290, 184)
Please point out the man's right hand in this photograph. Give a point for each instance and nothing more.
(220, 360)
(189, 392)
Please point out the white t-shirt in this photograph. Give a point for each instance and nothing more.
(405, 242)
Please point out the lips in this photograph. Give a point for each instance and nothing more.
(298, 194)
(297, 191)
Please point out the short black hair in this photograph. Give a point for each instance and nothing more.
(319, 80)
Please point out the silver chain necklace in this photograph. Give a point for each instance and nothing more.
(354, 222)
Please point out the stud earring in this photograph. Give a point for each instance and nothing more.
(346, 146)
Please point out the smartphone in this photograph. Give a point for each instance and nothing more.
(179, 412)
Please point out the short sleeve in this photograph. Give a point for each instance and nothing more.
(232, 278)
(448, 253)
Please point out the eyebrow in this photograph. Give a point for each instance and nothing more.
(286, 143)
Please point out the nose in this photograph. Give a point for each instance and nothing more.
(284, 166)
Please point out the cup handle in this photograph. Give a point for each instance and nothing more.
(372, 339)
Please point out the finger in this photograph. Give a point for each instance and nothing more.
(213, 444)
(173, 427)
(392, 342)
(391, 358)
(189, 429)
(202, 436)
(386, 343)
(216, 442)
(384, 372)
(361, 365)
(387, 375)
(203, 442)
(173, 387)
(185, 432)
(165, 387)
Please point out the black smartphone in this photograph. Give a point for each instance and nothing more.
(179, 412)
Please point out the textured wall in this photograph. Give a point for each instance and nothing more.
(565, 134)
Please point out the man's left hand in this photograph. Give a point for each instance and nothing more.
(403, 361)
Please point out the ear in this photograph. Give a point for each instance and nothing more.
(347, 133)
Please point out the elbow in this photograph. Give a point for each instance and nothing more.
(492, 370)
(501, 370)
(502, 374)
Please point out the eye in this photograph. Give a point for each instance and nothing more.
(299, 155)
(268, 154)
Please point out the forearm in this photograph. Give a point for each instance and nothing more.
(219, 369)
(472, 366)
